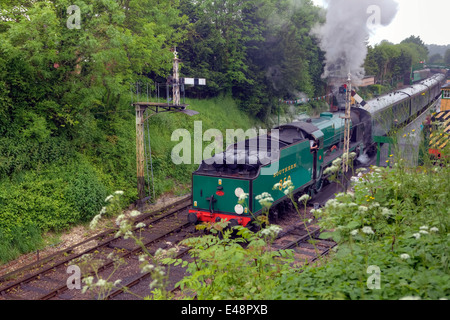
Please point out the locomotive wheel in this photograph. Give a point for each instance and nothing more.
(192, 218)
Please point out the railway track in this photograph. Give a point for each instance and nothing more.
(303, 239)
(47, 279)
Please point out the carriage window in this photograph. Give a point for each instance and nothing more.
(446, 94)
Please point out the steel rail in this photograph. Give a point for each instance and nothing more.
(172, 209)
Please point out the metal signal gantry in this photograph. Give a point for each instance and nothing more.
(144, 110)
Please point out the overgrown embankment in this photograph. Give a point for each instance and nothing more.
(56, 183)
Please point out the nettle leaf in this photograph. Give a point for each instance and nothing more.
(326, 235)
(353, 225)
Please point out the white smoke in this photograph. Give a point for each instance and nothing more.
(364, 158)
(344, 36)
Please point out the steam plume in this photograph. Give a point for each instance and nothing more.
(344, 36)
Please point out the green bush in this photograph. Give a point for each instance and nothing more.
(84, 192)
(48, 200)
(18, 154)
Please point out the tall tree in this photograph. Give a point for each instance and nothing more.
(418, 41)
(259, 50)
(56, 75)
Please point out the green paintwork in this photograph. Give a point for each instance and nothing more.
(208, 185)
(332, 127)
(295, 162)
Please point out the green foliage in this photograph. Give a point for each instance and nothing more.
(396, 220)
(258, 50)
(67, 130)
(387, 61)
(84, 192)
(18, 154)
(223, 269)
(22, 239)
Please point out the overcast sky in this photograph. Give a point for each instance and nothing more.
(429, 19)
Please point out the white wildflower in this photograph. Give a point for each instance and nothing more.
(108, 198)
(243, 196)
(117, 282)
(331, 170)
(88, 280)
(434, 229)
(354, 232)
(410, 298)
(119, 192)
(337, 162)
(416, 235)
(95, 221)
(361, 170)
(142, 257)
(127, 234)
(423, 232)
(374, 205)
(135, 213)
(276, 186)
(287, 184)
(265, 199)
(367, 230)
(153, 284)
(103, 211)
(423, 228)
(386, 212)
(342, 205)
(141, 225)
(147, 268)
(363, 209)
(405, 256)
(304, 198)
(120, 218)
(101, 283)
(272, 231)
(354, 179)
(331, 203)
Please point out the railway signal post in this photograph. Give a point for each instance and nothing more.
(144, 110)
(346, 118)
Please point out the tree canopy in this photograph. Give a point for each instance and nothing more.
(387, 61)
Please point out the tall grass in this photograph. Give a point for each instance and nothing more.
(24, 239)
(220, 113)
